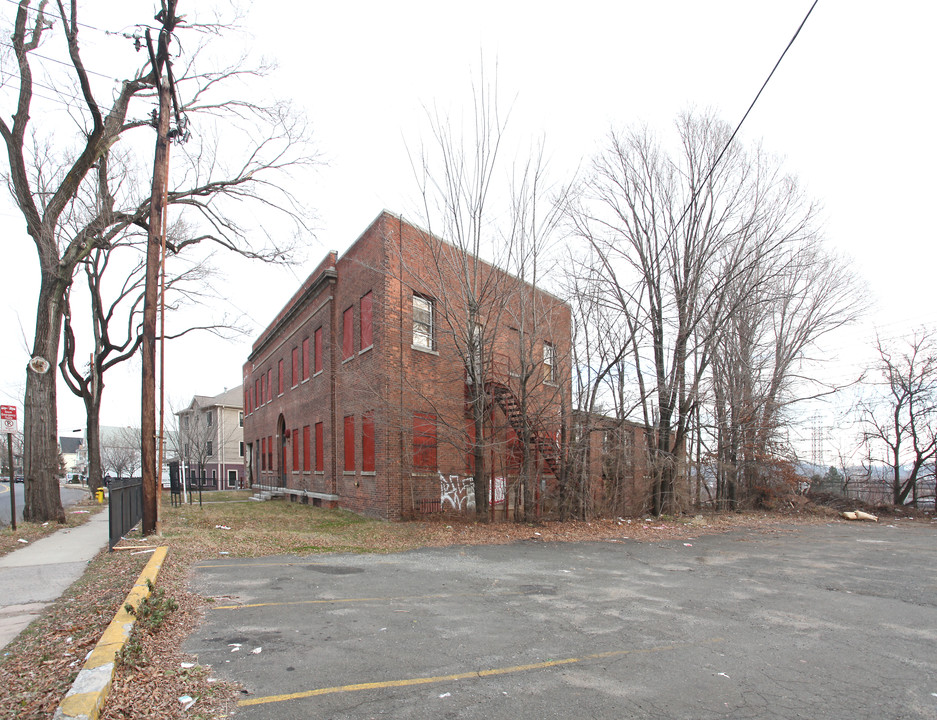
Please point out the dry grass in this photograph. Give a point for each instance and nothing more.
(38, 668)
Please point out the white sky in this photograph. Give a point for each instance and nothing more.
(851, 109)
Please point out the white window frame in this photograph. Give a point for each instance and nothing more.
(424, 312)
(549, 361)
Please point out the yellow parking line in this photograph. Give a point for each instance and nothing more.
(401, 598)
(464, 676)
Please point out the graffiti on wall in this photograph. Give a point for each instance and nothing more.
(456, 492)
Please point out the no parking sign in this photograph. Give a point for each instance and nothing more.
(7, 419)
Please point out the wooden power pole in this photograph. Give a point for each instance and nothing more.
(152, 475)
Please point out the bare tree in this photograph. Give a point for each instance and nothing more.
(496, 321)
(120, 451)
(679, 239)
(899, 417)
(115, 322)
(50, 172)
(193, 438)
(789, 301)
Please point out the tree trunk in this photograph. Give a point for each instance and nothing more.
(481, 476)
(93, 421)
(43, 501)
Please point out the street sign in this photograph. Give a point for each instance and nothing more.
(7, 419)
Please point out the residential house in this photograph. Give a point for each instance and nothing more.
(210, 441)
(358, 394)
(70, 450)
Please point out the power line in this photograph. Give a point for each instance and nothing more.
(712, 168)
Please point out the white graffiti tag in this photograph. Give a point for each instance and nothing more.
(456, 492)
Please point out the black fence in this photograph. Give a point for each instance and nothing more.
(125, 506)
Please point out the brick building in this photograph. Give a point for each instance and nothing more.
(356, 395)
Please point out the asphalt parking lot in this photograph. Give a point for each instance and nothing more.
(831, 621)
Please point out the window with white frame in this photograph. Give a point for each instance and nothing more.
(422, 322)
(549, 362)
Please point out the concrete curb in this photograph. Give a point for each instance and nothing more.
(86, 698)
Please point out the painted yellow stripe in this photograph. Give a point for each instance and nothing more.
(401, 598)
(463, 676)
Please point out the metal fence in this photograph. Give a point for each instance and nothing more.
(125, 507)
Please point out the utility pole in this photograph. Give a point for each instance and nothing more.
(155, 249)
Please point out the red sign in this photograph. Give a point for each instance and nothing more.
(7, 419)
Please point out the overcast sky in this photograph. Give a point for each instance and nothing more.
(851, 111)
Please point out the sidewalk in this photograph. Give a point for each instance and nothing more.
(38, 573)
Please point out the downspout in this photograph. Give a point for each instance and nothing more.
(400, 424)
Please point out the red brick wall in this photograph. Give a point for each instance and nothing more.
(392, 379)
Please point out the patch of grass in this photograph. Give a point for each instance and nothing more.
(151, 613)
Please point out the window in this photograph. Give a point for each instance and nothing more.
(306, 456)
(232, 478)
(348, 320)
(269, 452)
(208, 419)
(549, 362)
(294, 437)
(366, 330)
(422, 322)
(240, 419)
(424, 441)
(320, 461)
(209, 449)
(247, 404)
(295, 367)
(349, 443)
(304, 359)
(280, 376)
(259, 396)
(269, 384)
(318, 350)
(263, 453)
(241, 449)
(367, 442)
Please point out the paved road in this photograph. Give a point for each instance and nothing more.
(836, 621)
(70, 496)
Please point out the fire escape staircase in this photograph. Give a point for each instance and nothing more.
(540, 440)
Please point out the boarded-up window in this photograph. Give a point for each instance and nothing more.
(422, 322)
(270, 452)
(348, 340)
(424, 441)
(318, 350)
(270, 386)
(349, 442)
(320, 461)
(263, 453)
(367, 442)
(306, 456)
(280, 376)
(470, 445)
(304, 359)
(295, 367)
(364, 320)
(294, 438)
